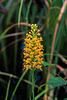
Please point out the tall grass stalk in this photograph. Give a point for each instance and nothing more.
(19, 16)
(7, 91)
(28, 9)
(18, 83)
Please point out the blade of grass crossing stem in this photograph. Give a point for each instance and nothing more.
(40, 94)
(7, 91)
(20, 11)
(13, 76)
(18, 83)
(8, 74)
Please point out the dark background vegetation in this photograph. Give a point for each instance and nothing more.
(51, 18)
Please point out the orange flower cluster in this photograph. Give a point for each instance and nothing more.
(33, 51)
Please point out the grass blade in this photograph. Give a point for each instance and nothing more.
(7, 91)
(40, 94)
(20, 12)
(18, 84)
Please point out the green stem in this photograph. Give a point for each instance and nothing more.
(33, 83)
(28, 9)
(20, 12)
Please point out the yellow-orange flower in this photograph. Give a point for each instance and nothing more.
(33, 51)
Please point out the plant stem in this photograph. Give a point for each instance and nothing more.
(33, 83)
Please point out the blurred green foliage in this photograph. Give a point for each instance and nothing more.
(10, 46)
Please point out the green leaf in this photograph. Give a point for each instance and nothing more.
(42, 93)
(41, 87)
(47, 64)
(65, 99)
(65, 61)
(57, 81)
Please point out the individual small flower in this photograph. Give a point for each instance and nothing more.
(26, 55)
(33, 50)
(39, 67)
(34, 64)
(38, 34)
(38, 31)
